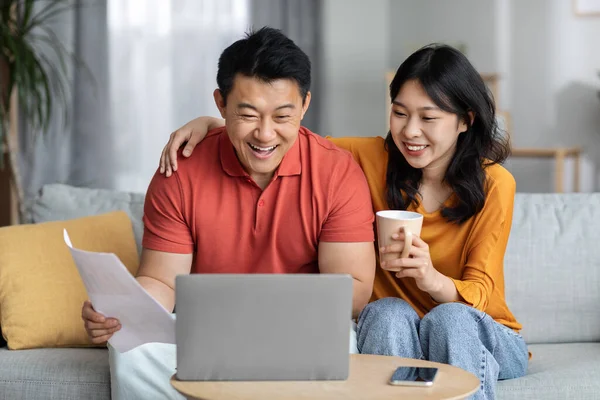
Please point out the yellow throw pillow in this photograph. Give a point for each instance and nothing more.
(41, 292)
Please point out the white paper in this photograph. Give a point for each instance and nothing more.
(115, 293)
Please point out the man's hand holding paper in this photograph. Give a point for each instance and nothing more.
(117, 297)
(99, 328)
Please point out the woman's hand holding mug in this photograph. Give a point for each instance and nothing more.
(402, 251)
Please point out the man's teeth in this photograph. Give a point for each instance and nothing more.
(416, 148)
(262, 148)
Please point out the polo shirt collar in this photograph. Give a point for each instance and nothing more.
(229, 161)
(290, 165)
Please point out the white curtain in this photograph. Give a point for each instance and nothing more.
(162, 72)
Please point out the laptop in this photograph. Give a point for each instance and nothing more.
(263, 327)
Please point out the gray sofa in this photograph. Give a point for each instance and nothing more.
(552, 273)
(552, 285)
(66, 374)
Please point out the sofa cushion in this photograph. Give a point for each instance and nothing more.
(552, 267)
(44, 374)
(557, 371)
(41, 292)
(61, 202)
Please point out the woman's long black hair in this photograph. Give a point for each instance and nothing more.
(456, 87)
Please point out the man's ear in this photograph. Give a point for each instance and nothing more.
(219, 102)
(305, 104)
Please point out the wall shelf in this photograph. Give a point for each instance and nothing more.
(559, 154)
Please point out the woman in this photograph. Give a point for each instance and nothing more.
(441, 158)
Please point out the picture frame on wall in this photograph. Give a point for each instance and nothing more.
(586, 8)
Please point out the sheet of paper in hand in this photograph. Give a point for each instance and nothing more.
(115, 293)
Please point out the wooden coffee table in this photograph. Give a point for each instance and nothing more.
(369, 377)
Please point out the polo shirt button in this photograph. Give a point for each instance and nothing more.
(261, 203)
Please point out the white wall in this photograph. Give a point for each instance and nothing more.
(414, 24)
(355, 58)
(547, 58)
(555, 59)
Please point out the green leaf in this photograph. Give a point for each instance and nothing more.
(27, 11)
(38, 62)
(56, 7)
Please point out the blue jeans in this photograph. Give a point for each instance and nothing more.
(451, 333)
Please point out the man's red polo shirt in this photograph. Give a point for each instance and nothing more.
(212, 208)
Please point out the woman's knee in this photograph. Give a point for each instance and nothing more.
(451, 316)
(386, 311)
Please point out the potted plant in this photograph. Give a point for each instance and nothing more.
(32, 81)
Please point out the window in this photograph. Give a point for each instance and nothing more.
(162, 72)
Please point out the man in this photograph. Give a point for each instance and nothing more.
(262, 195)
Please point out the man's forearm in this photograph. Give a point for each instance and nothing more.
(360, 296)
(161, 292)
(356, 259)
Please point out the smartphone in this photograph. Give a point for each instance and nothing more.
(413, 376)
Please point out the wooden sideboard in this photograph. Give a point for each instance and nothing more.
(559, 154)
